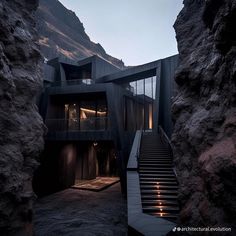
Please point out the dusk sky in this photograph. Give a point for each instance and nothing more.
(136, 31)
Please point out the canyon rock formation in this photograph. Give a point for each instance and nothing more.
(204, 113)
(63, 34)
(21, 136)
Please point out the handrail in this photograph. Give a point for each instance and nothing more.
(164, 137)
(167, 141)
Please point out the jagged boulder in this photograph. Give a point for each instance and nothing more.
(21, 136)
(204, 112)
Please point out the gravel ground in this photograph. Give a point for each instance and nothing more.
(84, 213)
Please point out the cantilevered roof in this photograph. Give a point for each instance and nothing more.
(53, 62)
(134, 73)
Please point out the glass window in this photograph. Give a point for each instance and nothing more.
(148, 87)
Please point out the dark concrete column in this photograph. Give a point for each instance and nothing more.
(67, 161)
(91, 162)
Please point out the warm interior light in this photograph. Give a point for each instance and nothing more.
(150, 125)
(93, 111)
(83, 115)
(161, 214)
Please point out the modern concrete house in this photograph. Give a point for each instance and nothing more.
(92, 110)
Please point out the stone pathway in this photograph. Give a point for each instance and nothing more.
(74, 212)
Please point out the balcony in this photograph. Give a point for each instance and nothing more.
(73, 125)
(72, 82)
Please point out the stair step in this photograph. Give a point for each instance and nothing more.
(161, 197)
(155, 171)
(154, 167)
(156, 163)
(156, 159)
(148, 170)
(143, 152)
(161, 192)
(154, 151)
(151, 162)
(144, 158)
(165, 183)
(159, 203)
(166, 215)
(157, 175)
(158, 179)
(162, 164)
(154, 154)
(154, 148)
(161, 209)
(161, 187)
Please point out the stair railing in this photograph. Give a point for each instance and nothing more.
(166, 141)
(164, 138)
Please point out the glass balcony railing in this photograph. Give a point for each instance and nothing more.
(73, 82)
(87, 124)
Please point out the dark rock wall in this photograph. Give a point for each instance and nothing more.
(204, 112)
(21, 127)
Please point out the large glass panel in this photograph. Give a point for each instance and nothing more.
(72, 116)
(148, 102)
(87, 115)
(148, 87)
(140, 87)
(101, 121)
(154, 78)
(133, 87)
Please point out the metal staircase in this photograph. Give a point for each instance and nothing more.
(158, 182)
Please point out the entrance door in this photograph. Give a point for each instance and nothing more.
(103, 163)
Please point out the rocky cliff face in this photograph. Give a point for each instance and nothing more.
(204, 112)
(20, 124)
(62, 34)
